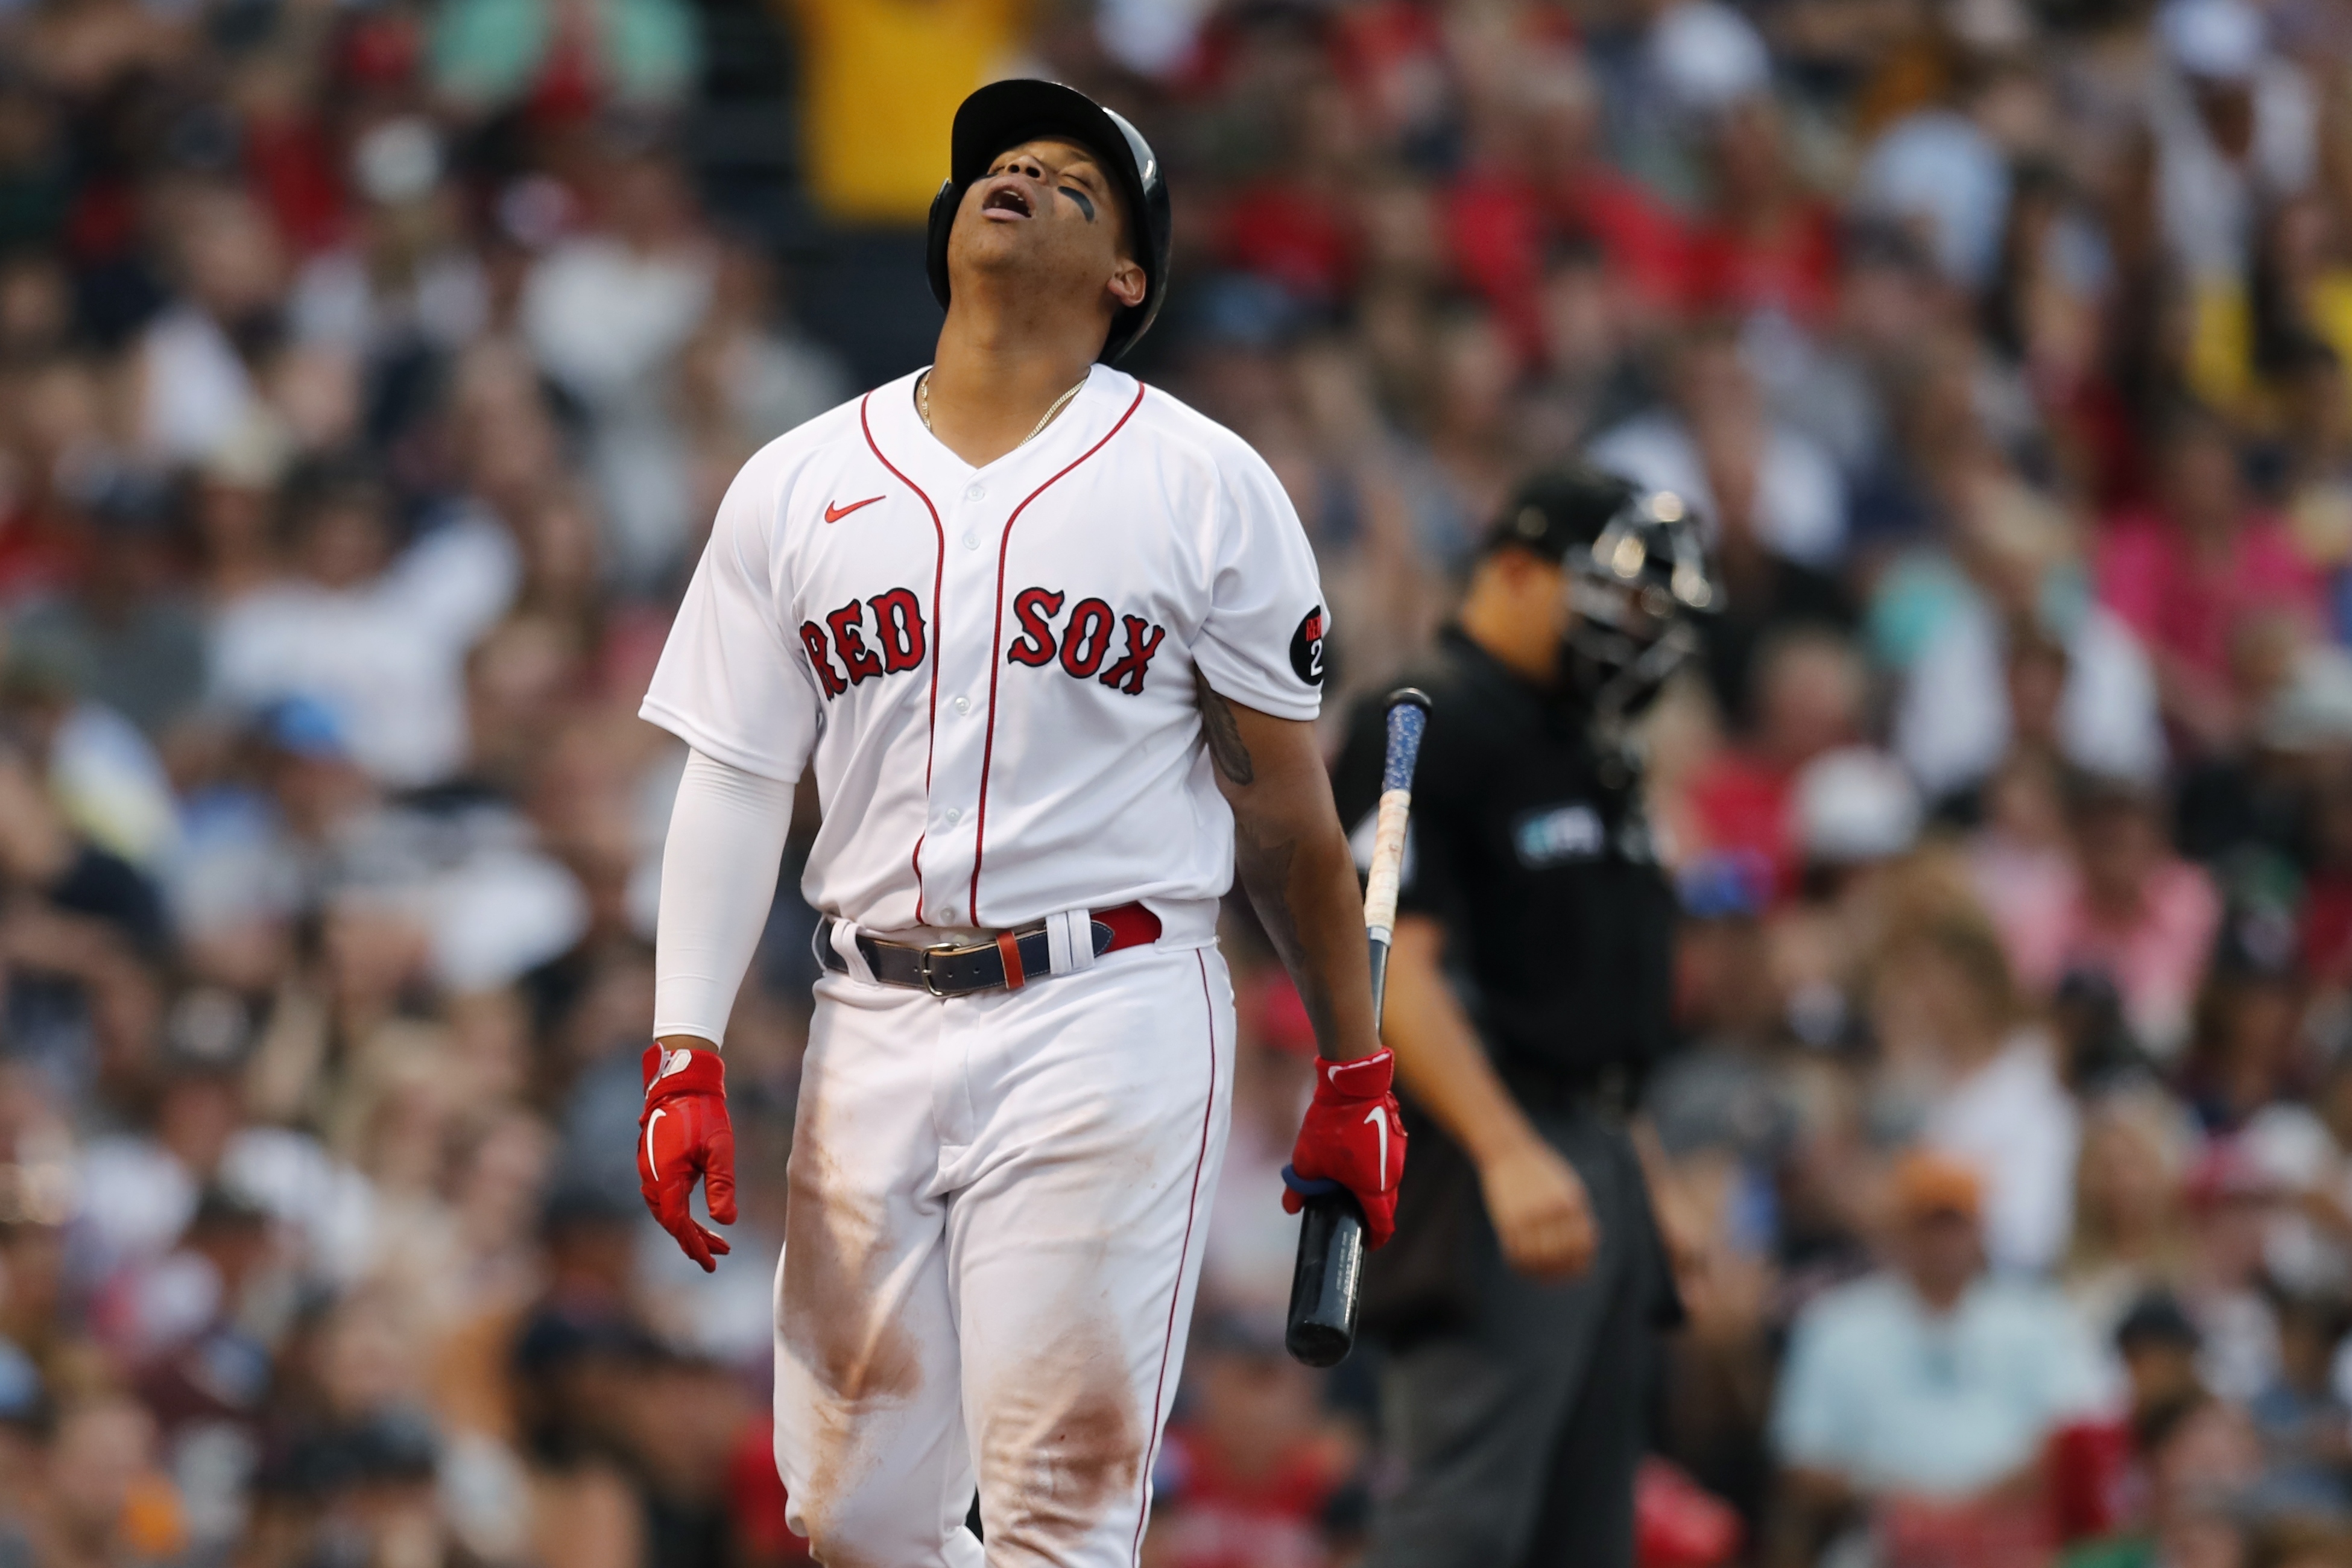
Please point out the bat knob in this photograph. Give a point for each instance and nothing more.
(1409, 697)
(1327, 1284)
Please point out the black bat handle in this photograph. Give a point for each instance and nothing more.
(1327, 1282)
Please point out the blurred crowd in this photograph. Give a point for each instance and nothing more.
(369, 372)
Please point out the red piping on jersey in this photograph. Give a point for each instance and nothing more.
(1003, 549)
(938, 569)
(1176, 1295)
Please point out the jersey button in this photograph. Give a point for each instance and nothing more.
(972, 542)
(977, 492)
(963, 704)
(955, 815)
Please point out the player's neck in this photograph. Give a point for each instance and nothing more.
(998, 372)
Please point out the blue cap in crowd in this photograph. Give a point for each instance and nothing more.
(1734, 884)
(308, 727)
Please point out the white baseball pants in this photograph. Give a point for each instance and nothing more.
(997, 1210)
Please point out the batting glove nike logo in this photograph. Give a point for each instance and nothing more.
(1349, 1097)
(688, 1090)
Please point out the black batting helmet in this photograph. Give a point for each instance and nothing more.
(1006, 113)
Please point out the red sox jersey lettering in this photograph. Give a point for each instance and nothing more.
(1083, 640)
(991, 673)
(897, 616)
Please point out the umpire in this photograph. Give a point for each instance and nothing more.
(1528, 991)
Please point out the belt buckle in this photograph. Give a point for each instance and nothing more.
(944, 951)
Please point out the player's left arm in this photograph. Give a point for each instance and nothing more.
(1262, 642)
(1292, 856)
(1293, 859)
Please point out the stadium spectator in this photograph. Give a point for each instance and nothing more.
(1930, 1381)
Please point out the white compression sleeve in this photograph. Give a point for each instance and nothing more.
(717, 880)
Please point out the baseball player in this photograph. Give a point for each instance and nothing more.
(1053, 644)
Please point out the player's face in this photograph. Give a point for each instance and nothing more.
(1048, 214)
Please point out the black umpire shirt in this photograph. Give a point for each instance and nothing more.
(1533, 852)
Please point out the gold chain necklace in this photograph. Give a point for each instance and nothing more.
(923, 405)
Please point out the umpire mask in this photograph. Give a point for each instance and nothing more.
(1638, 580)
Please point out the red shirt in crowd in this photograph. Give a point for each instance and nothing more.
(1222, 1519)
(1794, 268)
(2188, 605)
(292, 161)
(1499, 227)
(756, 1503)
(1740, 803)
(1302, 239)
(37, 557)
(2094, 1478)
(1395, 58)
(2325, 935)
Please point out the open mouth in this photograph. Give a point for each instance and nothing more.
(1007, 199)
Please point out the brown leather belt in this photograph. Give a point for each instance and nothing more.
(1006, 962)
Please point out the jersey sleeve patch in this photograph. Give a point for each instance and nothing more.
(1306, 648)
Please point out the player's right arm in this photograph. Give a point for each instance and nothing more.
(731, 685)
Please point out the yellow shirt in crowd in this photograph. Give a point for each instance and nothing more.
(2221, 368)
(880, 81)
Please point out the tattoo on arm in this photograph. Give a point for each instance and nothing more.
(1267, 863)
(1224, 736)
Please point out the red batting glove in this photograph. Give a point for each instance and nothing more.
(683, 1133)
(1353, 1135)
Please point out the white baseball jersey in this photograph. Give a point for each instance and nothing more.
(992, 668)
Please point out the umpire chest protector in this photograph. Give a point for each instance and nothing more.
(1531, 846)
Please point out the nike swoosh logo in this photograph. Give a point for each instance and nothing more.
(835, 512)
(1377, 1116)
(653, 1166)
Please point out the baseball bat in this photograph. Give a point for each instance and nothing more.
(1327, 1284)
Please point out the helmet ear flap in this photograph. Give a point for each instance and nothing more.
(943, 219)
